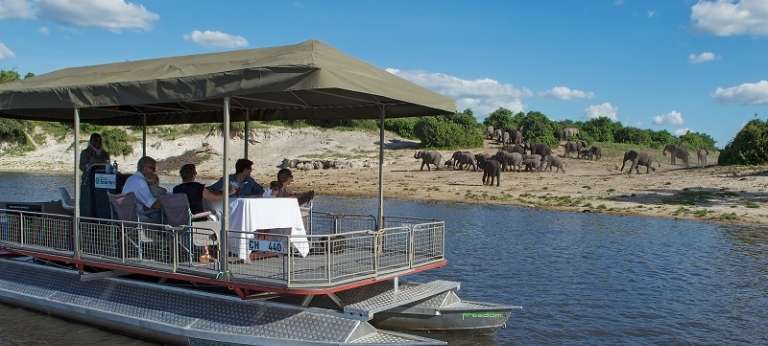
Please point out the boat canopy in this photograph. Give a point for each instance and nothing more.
(309, 80)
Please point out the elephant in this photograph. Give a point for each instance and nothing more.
(449, 163)
(514, 148)
(570, 132)
(505, 137)
(702, 154)
(540, 149)
(638, 159)
(428, 158)
(560, 134)
(516, 137)
(532, 162)
(554, 161)
(497, 134)
(462, 159)
(509, 160)
(491, 172)
(676, 152)
(489, 132)
(572, 147)
(595, 153)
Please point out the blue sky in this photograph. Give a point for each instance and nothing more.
(674, 64)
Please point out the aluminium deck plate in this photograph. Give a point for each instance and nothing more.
(391, 299)
(183, 315)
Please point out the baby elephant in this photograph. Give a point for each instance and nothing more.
(532, 162)
(491, 171)
(554, 161)
(428, 158)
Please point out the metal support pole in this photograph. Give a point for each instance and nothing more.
(223, 239)
(381, 168)
(247, 129)
(143, 135)
(76, 218)
(396, 284)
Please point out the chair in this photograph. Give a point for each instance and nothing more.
(67, 202)
(123, 207)
(176, 213)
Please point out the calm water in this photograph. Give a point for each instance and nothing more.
(581, 278)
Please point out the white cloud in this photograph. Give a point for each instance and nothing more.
(481, 95)
(680, 132)
(15, 9)
(216, 39)
(731, 17)
(113, 15)
(44, 30)
(671, 118)
(566, 93)
(747, 93)
(5, 52)
(606, 110)
(702, 57)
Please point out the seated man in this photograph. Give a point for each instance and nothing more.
(280, 187)
(147, 206)
(241, 181)
(196, 192)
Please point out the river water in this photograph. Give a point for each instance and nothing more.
(581, 278)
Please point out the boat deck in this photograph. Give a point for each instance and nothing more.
(344, 252)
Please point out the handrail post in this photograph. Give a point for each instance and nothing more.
(123, 246)
(411, 245)
(76, 216)
(290, 260)
(223, 242)
(21, 228)
(175, 250)
(328, 248)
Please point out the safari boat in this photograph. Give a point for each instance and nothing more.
(335, 280)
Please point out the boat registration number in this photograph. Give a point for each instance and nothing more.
(265, 245)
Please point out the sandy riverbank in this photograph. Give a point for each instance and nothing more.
(721, 194)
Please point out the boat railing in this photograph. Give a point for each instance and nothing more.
(333, 255)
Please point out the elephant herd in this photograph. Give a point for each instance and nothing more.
(504, 136)
(582, 150)
(676, 152)
(536, 157)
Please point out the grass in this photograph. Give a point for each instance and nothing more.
(729, 217)
(752, 205)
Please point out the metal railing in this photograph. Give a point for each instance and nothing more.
(332, 254)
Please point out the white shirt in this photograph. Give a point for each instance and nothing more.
(138, 185)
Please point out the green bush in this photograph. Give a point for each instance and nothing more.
(632, 135)
(501, 118)
(537, 128)
(116, 141)
(13, 131)
(697, 140)
(749, 147)
(404, 127)
(444, 132)
(601, 129)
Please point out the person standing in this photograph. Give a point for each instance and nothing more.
(94, 153)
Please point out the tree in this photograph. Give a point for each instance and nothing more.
(9, 76)
(445, 132)
(537, 128)
(500, 119)
(697, 140)
(749, 147)
(601, 129)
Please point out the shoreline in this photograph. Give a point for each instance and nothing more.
(718, 194)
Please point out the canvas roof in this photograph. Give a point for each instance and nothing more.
(309, 80)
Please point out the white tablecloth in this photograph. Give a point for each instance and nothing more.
(254, 214)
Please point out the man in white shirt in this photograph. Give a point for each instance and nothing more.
(147, 206)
